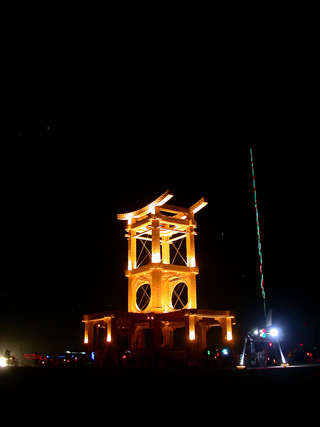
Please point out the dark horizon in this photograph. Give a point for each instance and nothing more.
(83, 144)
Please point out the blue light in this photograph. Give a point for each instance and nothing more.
(263, 333)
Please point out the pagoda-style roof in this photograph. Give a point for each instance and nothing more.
(162, 201)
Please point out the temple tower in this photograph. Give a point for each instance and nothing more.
(157, 282)
(162, 292)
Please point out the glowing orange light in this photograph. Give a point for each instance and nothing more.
(108, 320)
(192, 329)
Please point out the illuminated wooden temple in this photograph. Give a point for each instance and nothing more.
(162, 293)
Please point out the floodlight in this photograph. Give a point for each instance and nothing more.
(274, 332)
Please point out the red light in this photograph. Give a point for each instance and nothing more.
(264, 331)
(270, 344)
(124, 356)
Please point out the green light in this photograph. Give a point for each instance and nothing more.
(258, 234)
(263, 333)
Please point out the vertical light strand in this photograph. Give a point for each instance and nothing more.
(258, 233)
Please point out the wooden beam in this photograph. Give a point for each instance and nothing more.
(172, 220)
(199, 205)
(173, 209)
(147, 209)
(177, 238)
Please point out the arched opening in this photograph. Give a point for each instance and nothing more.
(143, 296)
(179, 297)
(214, 336)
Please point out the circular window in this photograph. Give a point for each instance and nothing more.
(179, 298)
(143, 296)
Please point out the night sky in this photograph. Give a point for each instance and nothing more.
(102, 122)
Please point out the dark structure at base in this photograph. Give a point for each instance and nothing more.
(185, 329)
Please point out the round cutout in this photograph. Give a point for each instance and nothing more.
(143, 296)
(179, 298)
